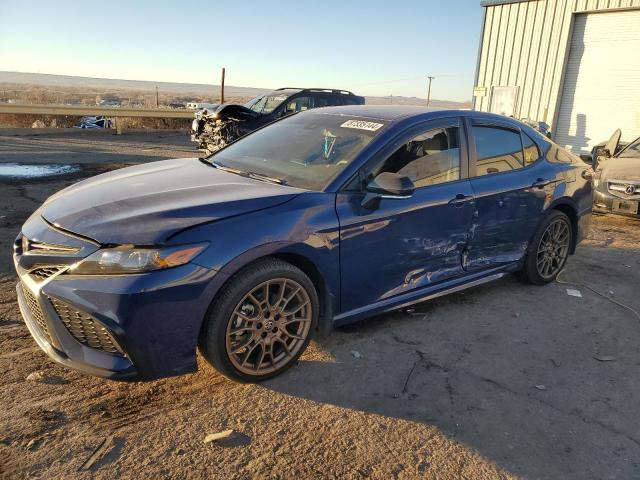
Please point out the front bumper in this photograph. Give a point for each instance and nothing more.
(131, 327)
(76, 356)
(603, 203)
(154, 320)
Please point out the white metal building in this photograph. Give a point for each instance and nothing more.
(574, 64)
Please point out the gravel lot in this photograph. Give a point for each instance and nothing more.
(506, 380)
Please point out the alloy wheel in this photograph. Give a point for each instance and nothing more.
(269, 327)
(553, 248)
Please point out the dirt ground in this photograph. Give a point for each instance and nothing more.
(506, 380)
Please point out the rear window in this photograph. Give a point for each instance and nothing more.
(530, 149)
(497, 150)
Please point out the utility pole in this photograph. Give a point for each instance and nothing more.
(222, 88)
(157, 102)
(429, 91)
(391, 99)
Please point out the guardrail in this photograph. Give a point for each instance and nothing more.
(17, 108)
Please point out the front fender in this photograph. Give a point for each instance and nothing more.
(306, 226)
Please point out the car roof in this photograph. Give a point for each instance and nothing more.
(393, 113)
(293, 90)
(284, 91)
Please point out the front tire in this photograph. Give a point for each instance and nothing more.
(261, 322)
(549, 249)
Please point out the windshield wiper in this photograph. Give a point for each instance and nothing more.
(248, 174)
(267, 178)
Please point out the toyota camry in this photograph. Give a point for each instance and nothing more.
(317, 220)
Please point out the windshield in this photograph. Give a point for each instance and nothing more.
(306, 150)
(632, 150)
(267, 103)
(251, 102)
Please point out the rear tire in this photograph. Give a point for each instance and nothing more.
(261, 322)
(549, 249)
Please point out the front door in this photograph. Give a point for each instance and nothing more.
(404, 244)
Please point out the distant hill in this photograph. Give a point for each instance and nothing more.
(42, 79)
(197, 89)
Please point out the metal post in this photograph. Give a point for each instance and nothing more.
(157, 102)
(429, 91)
(222, 88)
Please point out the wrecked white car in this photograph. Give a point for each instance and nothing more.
(616, 179)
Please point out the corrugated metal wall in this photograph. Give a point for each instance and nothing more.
(524, 44)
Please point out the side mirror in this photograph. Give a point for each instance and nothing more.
(387, 185)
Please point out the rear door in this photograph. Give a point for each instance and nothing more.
(411, 242)
(509, 182)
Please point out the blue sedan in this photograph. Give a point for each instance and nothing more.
(318, 220)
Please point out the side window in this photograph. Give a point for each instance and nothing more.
(349, 100)
(497, 149)
(427, 159)
(298, 104)
(322, 101)
(531, 152)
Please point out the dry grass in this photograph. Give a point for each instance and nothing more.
(67, 121)
(90, 96)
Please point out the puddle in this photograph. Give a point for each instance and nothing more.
(17, 170)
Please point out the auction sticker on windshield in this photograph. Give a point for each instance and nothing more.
(362, 125)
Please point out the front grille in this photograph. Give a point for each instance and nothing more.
(42, 273)
(36, 311)
(622, 189)
(34, 246)
(85, 328)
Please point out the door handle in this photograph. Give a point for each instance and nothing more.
(541, 183)
(460, 199)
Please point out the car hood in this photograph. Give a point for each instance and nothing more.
(147, 204)
(231, 111)
(621, 168)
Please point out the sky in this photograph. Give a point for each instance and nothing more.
(375, 47)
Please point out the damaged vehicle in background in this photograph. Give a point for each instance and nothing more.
(94, 122)
(542, 127)
(213, 129)
(616, 178)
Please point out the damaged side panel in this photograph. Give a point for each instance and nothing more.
(506, 217)
(417, 242)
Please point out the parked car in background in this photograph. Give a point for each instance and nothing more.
(94, 122)
(109, 102)
(319, 219)
(616, 178)
(612, 146)
(543, 127)
(214, 129)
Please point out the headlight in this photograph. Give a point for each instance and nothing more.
(129, 259)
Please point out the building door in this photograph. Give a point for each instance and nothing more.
(504, 100)
(601, 90)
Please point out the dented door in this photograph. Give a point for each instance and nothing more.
(403, 245)
(509, 195)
